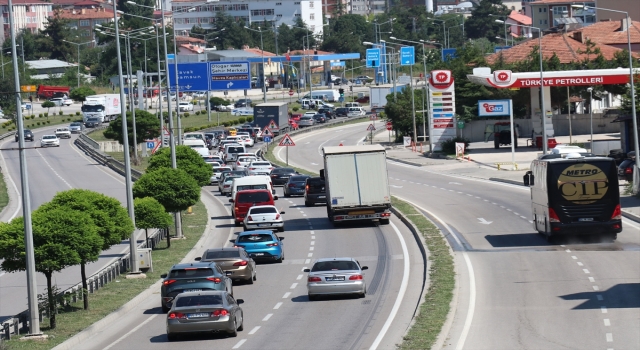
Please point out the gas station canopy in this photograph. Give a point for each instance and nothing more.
(507, 79)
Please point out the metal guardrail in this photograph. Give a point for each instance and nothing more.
(17, 323)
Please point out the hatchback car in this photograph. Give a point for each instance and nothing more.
(305, 120)
(314, 192)
(261, 245)
(234, 260)
(248, 198)
(264, 216)
(28, 135)
(205, 312)
(280, 176)
(49, 140)
(336, 276)
(76, 127)
(319, 118)
(295, 186)
(192, 277)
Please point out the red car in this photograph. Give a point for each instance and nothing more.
(296, 117)
(247, 199)
(293, 124)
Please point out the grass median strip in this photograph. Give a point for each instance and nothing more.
(272, 158)
(4, 194)
(73, 319)
(435, 307)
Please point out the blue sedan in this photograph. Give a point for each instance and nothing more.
(295, 186)
(261, 245)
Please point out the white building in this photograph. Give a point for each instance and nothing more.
(28, 15)
(249, 11)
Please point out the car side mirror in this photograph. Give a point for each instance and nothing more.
(281, 238)
(306, 270)
(239, 301)
(198, 258)
(322, 174)
(528, 179)
(164, 275)
(275, 198)
(230, 200)
(364, 268)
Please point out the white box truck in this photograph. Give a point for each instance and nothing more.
(107, 107)
(356, 183)
(378, 95)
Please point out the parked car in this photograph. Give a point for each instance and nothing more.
(261, 245)
(49, 140)
(315, 192)
(336, 276)
(28, 135)
(319, 118)
(306, 121)
(365, 78)
(279, 176)
(341, 112)
(243, 102)
(205, 312)
(264, 217)
(234, 260)
(76, 127)
(192, 277)
(295, 185)
(185, 106)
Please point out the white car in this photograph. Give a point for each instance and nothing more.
(186, 106)
(49, 140)
(247, 141)
(242, 111)
(258, 133)
(320, 104)
(200, 94)
(310, 114)
(61, 101)
(225, 108)
(63, 133)
(216, 173)
(243, 162)
(226, 186)
(264, 217)
(259, 167)
(212, 160)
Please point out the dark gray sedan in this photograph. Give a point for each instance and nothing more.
(295, 186)
(205, 312)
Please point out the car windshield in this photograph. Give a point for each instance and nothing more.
(198, 300)
(190, 273)
(48, 137)
(334, 265)
(265, 210)
(253, 197)
(256, 237)
(283, 171)
(75, 124)
(92, 108)
(305, 118)
(221, 254)
(315, 185)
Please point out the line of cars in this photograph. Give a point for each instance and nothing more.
(52, 140)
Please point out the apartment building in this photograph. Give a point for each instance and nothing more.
(85, 19)
(631, 6)
(546, 14)
(27, 15)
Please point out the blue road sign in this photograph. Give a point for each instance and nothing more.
(373, 58)
(171, 56)
(151, 144)
(267, 139)
(191, 76)
(337, 64)
(230, 75)
(497, 49)
(407, 56)
(340, 99)
(448, 54)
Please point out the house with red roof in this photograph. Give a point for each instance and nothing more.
(515, 20)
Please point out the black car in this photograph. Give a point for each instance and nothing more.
(314, 192)
(280, 176)
(328, 112)
(28, 135)
(251, 131)
(319, 118)
(243, 102)
(341, 112)
(625, 169)
(295, 185)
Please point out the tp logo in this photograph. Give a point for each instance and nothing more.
(502, 77)
(441, 77)
(493, 108)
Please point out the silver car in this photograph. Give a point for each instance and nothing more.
(306, 121)
(336, 276)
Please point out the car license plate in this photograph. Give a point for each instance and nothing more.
(198, 315)
(321, 197)
(585, 219)
(331, 279)
(192, 290)
(257, 254)
(263, 225)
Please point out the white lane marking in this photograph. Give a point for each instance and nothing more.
(603, 309)
(15, 187)
(131, 331)
(313, 237)
(596, 288)
(293, 286)
(310, 255)
(299, 277)
(568, 250)
(313, 242)
(484, 221)
(314, 163)
(579, 263)
(607, 322)
(591, 279)
(394, 186)
(277, 306)
(311, 248)
(313, 233)
(266, 318)
(574, 257)
(307, 261)
(472, 278)
(401, 292)
(239, 344)
(599, 297)
(254, 330)
(609, 337)
(286, 295)
(524, 217)
(585, 270)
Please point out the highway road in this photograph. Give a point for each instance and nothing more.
(514, 290)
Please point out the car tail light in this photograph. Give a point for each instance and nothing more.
(177, 315)
(240, 263)
(617, 214)
(628, 170)
(238, 246)
(384, 215)
(237, 209)
(221, 312)
(306, 188)
(277, 216)
(292, 185)
(214, 279)
(249, 218)
(553, 217)
(314, 279)
(238, 163)
(168, 282)
(252, 168)
(272, 245)
(355, 278)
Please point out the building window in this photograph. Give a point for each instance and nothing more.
(278, 3)
(267, 12)
(278, 16)
(84, 23)
(297, 15)
(559, 10)
(310, 4)
(297, 3)
(312, 28)
(312, 17)
(540, 10)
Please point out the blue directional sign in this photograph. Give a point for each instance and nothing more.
(407, 56)
(150, 144)
(191, 76)
(230, 75)
(448, 54)
(267, 139)
(171, 56)
(340, 99)
(373, 58)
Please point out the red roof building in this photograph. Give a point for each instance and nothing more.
(85, 19)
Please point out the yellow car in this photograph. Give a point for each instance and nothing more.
(233, 132)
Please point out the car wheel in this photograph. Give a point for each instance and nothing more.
(281, 229)
(234, 333)
(241, 328)
(311, 297)
(165, 309)
(279, 261)
(249, 280)
(307, 203)
(172, 337)
(255, 276)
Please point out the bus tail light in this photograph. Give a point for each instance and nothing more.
(617, 214)
(553, 217)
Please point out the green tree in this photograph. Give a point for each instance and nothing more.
(400, 110)
(626, 106)
(48, 104)
(186, 159)
(347, 34)
(53, 35)
(80, 94)
(173, 188)
(482, 24)
(150, 214)
(147, 127)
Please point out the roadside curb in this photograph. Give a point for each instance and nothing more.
(404, 161)
(631, 216)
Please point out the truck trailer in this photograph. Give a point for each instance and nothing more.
(264, 113)
(356, 183)
(48, 91)
(378, 95)
(107, 107)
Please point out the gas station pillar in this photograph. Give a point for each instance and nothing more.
(536, 115)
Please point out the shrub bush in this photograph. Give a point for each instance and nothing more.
(249, 119)
(68, 119)
(77, 113)
(48, 122)
(225, 124)
(40, 115)
(38, 123)
(197, 112)
(46, 114)
(449, 146)
(186, 114)
(295, 109)
(60, 113)
(242, 120)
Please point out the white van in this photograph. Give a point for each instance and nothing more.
(194, 136)
(231, 152)
(566, 149)
(328, 95)
(355, 112)
(257, 182)
(198, 146)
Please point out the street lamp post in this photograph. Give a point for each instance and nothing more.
(413, 101)
(392, 63)
(78, 45)
(262, 78)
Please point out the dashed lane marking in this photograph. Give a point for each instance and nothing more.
(239, 344)
(254, 330)
(266, 318)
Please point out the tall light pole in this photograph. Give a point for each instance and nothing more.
(543, 105)
(413, 100)
(32, 282)
(78, 45)
(264, 88)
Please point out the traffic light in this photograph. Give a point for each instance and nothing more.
(341, 90)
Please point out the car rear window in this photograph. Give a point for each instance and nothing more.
(260, 164)
(252, 187)
(298, 178)
(316, 185)
(254, 197)
(283, 171)
(234, 149)
(198, 300)
(267, 210)
(257, 237)
(334, 266)
(221, 254)
(239, 172)
(191, 272)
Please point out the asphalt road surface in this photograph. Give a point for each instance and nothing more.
(515, 291)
